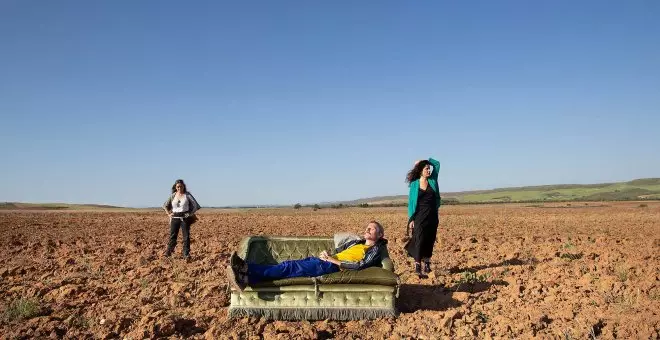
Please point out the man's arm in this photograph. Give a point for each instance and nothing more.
(325, 257)
(371, 258)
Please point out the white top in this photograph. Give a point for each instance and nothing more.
(180, 204)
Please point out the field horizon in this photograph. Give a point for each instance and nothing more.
(637, 189)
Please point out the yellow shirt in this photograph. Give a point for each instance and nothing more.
(353, 254)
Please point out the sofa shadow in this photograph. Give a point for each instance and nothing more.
(414, 297)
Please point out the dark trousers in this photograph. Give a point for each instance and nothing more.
(175, 224)
(309, 267)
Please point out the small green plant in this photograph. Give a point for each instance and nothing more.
(623, 301)
(90, 270)
(297, 206)
(571, 257)
(144, 283)
(568, 245)
(584, 269)
(505, 271)
(79, 321)
(655, 295)
(472, 278)
(622, 274)
(21, 309)
(483, 318)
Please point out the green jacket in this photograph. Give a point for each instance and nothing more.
(414, 189)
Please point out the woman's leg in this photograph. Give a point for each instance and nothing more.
(174, 233)
(185, 233)
(430, 237)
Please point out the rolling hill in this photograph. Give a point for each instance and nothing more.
(645, 188)
(53, 206)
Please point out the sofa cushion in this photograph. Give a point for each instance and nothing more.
(373, 275)
(341, 238)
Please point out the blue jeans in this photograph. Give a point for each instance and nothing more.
(307, 267)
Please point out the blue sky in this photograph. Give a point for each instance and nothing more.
(278, 102)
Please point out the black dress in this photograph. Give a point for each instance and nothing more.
(426, 225)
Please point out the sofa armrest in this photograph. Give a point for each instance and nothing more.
(387, 264)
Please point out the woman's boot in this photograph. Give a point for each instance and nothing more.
(427, 267)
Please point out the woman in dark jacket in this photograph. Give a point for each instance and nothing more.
(423, 206)
(180, 207)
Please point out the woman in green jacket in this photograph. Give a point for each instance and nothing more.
(423, 206)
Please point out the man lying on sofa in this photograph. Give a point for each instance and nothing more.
(352, 255)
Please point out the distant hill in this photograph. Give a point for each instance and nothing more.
(54, 206)
(645, 188)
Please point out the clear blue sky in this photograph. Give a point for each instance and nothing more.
(278, 102)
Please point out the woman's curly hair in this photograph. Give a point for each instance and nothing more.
(416, 172)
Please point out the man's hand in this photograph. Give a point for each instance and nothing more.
(323, 254)
(330, 259)
(170, 214)
(411, 225)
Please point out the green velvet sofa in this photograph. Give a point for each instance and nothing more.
(346, 295)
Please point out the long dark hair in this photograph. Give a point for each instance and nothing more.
(416, 172)
(179, 181)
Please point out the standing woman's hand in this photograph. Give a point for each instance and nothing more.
(410, 228)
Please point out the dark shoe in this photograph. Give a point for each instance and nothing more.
(167, 253)
(427, 267)
(187, 258)
(418, 271)
(234, 280)
(237, 263)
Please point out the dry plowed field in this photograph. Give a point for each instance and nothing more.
(500, 271)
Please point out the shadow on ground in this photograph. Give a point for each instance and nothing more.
(413, 297)
(512, 262)
(476, 287)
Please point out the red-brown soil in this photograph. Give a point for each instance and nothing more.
(500, 271)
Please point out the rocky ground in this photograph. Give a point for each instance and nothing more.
(579, 270)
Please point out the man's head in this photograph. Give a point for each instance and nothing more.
(374, 231)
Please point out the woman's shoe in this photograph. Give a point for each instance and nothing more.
(418, 271)
(427, 267)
